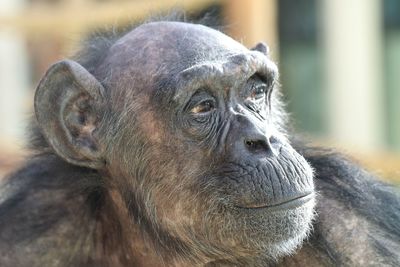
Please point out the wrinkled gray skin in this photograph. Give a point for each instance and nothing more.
(171, 152)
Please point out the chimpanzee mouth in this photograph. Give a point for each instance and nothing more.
(283, 205)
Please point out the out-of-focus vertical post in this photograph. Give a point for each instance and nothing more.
(351, 36)
(13, 77)
(252, 21)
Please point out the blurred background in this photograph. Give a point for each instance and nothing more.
(339, 62)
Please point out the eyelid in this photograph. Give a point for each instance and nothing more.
(200, 96)
(199, 105)
(268, 79)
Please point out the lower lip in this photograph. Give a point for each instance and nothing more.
(290, 204)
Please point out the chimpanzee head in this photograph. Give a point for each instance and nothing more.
(186, 124)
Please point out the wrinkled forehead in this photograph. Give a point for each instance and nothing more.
(184, 54)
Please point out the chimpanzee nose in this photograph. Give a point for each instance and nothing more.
(249, 137)
(259, 143)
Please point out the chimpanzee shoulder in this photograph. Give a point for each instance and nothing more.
(362, 191)
(44, 204)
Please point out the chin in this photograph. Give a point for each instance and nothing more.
(272, 234)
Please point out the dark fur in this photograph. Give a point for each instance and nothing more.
(53, 213)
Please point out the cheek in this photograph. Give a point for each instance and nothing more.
(179, 208)
(172, 182)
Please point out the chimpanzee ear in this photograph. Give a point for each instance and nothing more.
(68, 104)
(261, 47)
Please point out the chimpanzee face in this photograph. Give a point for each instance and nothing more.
(219, 169)
(190, 133)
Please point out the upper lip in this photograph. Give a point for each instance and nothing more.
(304, 197)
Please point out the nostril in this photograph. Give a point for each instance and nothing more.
(273, 140)
(268, 145)
(250, 143)
(254, 144)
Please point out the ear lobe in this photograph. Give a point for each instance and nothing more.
(68, 102)
(261, 47)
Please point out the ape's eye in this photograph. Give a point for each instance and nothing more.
(258, 92)
(203, 107)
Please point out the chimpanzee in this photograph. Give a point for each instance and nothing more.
(167, 146)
